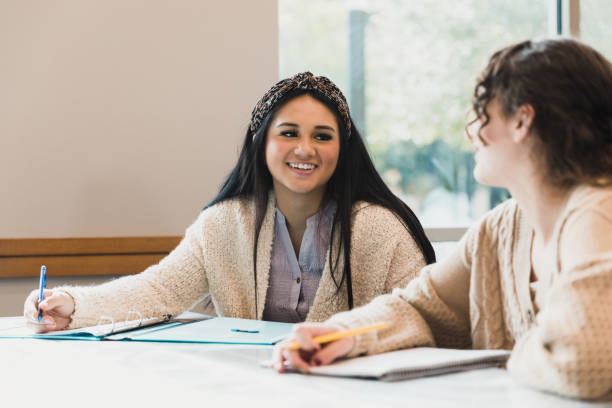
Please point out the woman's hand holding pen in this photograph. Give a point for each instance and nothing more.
(310, 352)
(56, 309)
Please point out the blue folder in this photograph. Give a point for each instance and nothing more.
(214, 330)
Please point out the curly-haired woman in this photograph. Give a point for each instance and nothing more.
(534, 275)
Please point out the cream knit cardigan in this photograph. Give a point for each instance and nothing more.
(566, 348)
(216, 257)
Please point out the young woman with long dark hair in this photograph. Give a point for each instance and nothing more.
(534, 275)
(302, 228)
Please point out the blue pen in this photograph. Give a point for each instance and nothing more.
(43, 278)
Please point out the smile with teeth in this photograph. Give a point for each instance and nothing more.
(302, 166)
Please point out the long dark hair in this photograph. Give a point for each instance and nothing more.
(355, 179)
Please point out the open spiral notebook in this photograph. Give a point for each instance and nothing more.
(412, 363)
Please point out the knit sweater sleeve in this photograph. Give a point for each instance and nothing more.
(416, 315)
(569, 349)
(170, 287)
(434, 308)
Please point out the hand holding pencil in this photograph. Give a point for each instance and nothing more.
(316, 344)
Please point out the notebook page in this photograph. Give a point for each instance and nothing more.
(415, 359)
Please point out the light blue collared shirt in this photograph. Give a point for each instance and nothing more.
(293, 282)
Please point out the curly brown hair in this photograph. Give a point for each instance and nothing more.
(569, 86)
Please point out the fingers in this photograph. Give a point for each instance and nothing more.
(30, 307)
(292, 359)
(54, 301)
(30, 312)
(310, 352)
(47, 323)
(304, 334)
(56, 309)
(332, 351)
(278, 358)
(296, 360)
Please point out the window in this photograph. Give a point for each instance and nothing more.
(408, 69)
(595, 29)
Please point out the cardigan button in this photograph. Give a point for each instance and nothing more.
(298, 280)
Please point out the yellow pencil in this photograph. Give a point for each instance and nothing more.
(326, 338)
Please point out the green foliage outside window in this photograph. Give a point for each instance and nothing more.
(421, 62)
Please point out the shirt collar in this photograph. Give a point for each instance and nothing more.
(327, 212)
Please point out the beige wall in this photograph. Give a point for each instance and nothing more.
(121, 117)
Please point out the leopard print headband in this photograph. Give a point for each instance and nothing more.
(302, 81)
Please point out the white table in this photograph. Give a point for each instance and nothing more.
(46, 373)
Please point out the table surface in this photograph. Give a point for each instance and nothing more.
(105, 373)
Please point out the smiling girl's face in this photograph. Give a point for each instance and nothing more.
(302, 147)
